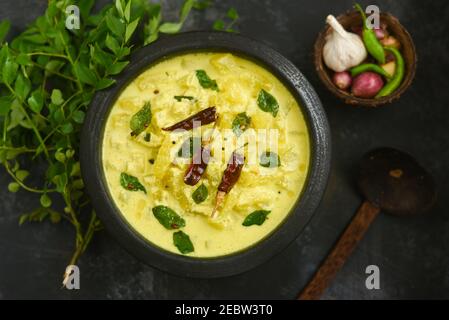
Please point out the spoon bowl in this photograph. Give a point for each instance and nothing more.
(395, 182)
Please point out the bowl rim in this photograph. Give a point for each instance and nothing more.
(293, 224)
(323, 71)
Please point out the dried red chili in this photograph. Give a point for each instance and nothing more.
(198, 166)
(232, 172)
(205, 116)
(230, 177)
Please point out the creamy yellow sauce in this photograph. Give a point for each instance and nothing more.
(160, 170)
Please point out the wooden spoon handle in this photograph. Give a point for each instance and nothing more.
(341, 251)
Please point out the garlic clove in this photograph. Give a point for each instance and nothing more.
(342, 49)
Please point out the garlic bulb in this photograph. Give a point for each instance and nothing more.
(342, 49)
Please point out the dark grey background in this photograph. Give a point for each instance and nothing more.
(412, 253)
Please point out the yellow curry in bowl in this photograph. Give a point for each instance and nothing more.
(205, 154)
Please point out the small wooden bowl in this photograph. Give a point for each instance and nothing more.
(394, 27)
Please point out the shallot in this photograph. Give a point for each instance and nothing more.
(342, 80)
(367, 85)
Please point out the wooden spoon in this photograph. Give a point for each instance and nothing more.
(391, 181)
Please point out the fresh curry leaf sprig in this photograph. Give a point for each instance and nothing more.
(48, 77)
(155, 25)
(228, 24)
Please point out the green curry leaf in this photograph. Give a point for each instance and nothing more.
(179, 98)
(182, 242)
(200, 194)
(205, 81)
(131, 183)
(240, 123)
(257, 217)
(141, 120)
(4, 28)
(267, 103)
(168, 217)
(36, 101)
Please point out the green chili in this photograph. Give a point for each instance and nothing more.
(396, 81)
(370, 40)
(369, 67)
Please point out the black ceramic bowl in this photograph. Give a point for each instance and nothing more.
(92, 169)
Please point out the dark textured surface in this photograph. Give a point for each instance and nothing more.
(410, 252)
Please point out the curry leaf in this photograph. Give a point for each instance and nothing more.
(151, 29)
(130, 29)
(9, 71)
(256, 218)
(112, 44)
(168, 217)
(24, 60)
(200, 194)
(78, 116)
(13, 187)
(231, 18)
(5, 104)
(267, 103)
(170, 27)
(84, 74)
(182, 242)
(104, 83)
(202, 4)
(232, 14)
(115, 25)
(205, 81)
(179, 98)
(118, 5)
(117, 67)
(241, 123)
(4, 28)
(127, 13)
(56, 97)
(22, 87)
(131, 183)
(100, 56)
(141, 120)
(45, 201)
(67, 128)
(218, 25)
(36, 101)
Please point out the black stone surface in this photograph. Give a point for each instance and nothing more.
(412, 253)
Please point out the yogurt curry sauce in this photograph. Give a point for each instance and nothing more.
(205, 154)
